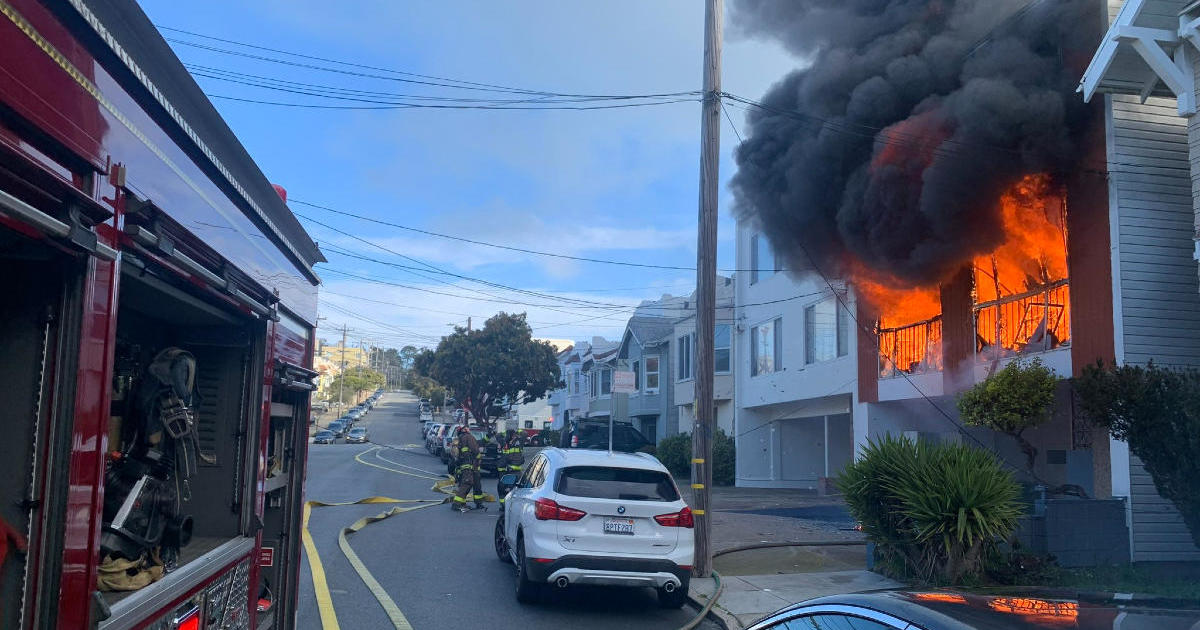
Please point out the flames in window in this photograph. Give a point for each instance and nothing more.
(1020, 296)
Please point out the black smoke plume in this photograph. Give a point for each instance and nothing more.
(888, 154)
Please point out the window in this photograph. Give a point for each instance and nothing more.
(622, 484)
(826, 331)
(595, 382)
(684, 354)
(766, 347)
(529, 424)
(721, 349)
(651, 377)
(575, 381)
(605, 382)
(637, 375)
(762, 259)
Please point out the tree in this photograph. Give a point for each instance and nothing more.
(499, 364)
(1011, 401)
(1157, 411)
(356, 380)
(407, 355)
(422, 364)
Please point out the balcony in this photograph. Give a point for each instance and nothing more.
(1037, 320)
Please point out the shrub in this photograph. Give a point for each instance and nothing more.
(676, 454)
(933, 510)
(724, 459)
(1011, 401)
(1156, 410)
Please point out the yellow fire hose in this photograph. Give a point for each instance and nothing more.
(329, 621)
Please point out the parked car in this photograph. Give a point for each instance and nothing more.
(592, 518)
(337, 427)
(965, 611)
(425, 417)
(357, 435)
(593, 434)
(323, 437)
(319, 405)
(432, 435)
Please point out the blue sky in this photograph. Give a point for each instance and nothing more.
(614, 184)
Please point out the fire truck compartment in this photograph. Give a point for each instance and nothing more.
(31, 329)
(154, 313)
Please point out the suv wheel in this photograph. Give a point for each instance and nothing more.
(499, 542)
(528, 591)
(676, 598)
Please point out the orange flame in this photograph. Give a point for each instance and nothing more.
(1022, 298)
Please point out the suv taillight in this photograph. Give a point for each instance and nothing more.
(574, 441)
(550, 510)
(682, 518)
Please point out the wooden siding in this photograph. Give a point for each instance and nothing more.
(1157, 285)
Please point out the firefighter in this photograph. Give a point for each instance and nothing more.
(467, 470)
(514, 451)
(511, 458)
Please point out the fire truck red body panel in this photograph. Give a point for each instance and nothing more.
(87, 132)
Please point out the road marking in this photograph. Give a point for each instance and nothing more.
(379, 454)
(358, 458)
(329, 619)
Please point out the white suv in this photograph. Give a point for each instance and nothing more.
(589, 517)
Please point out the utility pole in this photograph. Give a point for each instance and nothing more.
(706, 296)
(342, 373)
(468, 323)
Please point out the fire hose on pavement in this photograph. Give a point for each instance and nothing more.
(329, 621)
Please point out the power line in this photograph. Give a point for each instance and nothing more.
(439, 81)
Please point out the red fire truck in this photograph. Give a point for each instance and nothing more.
(156, 340)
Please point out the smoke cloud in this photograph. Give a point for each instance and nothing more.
(888, 154)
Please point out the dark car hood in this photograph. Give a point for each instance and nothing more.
(959, 610)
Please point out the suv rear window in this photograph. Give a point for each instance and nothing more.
(625, 484)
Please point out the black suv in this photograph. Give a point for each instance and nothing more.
(593, 434)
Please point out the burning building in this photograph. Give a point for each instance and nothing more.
(944, 202)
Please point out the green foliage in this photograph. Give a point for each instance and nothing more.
(675, 453)
(355, 381)
(933, 510)
(724, 459)
(1012, 400)
(425, 387)
(499, 364)
(422, 362)
(1156, 410)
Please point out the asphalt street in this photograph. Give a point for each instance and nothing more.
(438, 566)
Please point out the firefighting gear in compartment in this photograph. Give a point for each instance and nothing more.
(146, 483)
(466, 470)
(122, 574)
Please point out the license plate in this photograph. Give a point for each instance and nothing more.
(618, 526)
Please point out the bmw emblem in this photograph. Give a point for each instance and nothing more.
(620, 509)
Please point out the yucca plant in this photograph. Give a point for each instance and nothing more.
(878, 511)
(931, 509)
(957, 501)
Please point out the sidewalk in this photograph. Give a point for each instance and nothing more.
(750, 516)
(748, 598)
(758, 582)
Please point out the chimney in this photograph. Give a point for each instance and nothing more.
(958, 333)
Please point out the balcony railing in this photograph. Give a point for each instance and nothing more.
(1034, 321)
(912, 348)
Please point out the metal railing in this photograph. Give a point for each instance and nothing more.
(912, 348)
(1034, 321)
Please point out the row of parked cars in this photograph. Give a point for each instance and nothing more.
(344, 427)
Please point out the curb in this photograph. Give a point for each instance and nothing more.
(716, 614)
